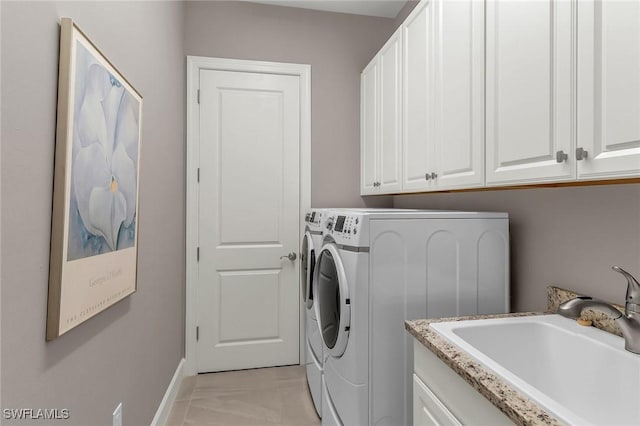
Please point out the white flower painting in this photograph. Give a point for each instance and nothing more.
(104, 165)
(94, 220)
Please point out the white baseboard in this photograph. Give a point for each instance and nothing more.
(169, 396)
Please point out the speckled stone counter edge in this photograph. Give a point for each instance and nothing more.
(515, 405)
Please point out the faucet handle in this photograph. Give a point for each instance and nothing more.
(633, 287)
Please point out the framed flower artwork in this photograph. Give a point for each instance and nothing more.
(94, 237)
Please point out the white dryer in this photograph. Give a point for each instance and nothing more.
(310, 248)
(377, 269)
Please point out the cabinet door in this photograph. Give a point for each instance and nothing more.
(427, 408)
(368, 128)
(418, 97)
(435, 380)
(609, 88)
(390, 141)
(530, 113)
(459, 112)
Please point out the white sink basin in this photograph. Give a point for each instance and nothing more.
(581, 375)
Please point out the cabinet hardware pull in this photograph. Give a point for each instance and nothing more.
(561, 156)
(581, 154)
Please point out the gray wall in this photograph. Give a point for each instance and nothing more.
(129, 352)
(569, 236)
(404, 12)
(338, 46)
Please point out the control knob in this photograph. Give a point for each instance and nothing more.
(329, 224)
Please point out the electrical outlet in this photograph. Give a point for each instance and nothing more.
(117, 415)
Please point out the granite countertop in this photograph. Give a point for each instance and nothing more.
(510, 401)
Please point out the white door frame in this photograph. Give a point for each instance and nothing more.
(194, 65)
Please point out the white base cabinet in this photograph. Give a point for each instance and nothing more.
(441, 397)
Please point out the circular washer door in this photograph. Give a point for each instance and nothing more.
(308, 259)
(333, 307)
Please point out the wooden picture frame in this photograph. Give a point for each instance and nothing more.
(94, 227)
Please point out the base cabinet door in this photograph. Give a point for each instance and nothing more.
(530, 108)
(442, 397)
(608, 136)
(427, 408)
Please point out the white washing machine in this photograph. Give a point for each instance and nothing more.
(377, 269)
(310, 248)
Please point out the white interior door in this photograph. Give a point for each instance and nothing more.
(247, 295)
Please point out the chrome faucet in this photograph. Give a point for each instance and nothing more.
(629, 323)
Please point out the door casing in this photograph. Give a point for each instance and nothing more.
(194, 65)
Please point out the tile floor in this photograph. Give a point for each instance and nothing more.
(264, 396)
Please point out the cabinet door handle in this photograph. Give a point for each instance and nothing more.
(434, 175)
(581, 154)
(561, 156)
(427, 176)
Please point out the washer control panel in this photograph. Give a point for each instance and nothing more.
(346, 226)
(313, 217)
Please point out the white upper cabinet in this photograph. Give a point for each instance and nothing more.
(368, 128)
(608, 89)
(418, 98)
(529, 84)
(472, 93)
(390, 145)
(459, 94)
(444, 96)
(381, 132)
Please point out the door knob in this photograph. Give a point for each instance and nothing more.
(291, 256)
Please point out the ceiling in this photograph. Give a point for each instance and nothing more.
(381, 8)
